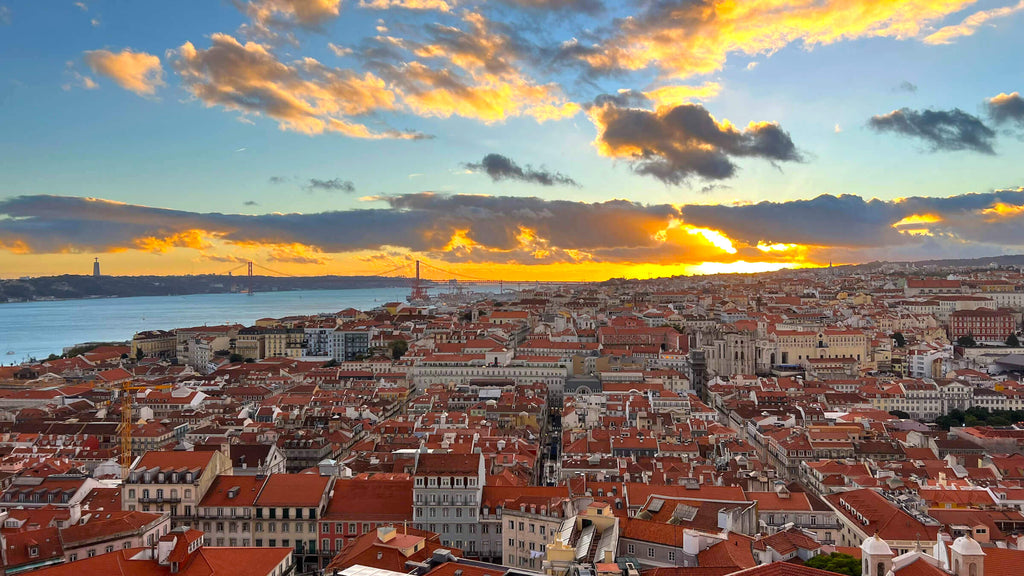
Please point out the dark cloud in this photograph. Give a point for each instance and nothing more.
(333, 185)
(500, 168)
(1006, 109)
(277, 179)
(941, 129)
(907, 86)
(673, 144)
(853, 222)
(473, 228)
(623, 99)
(251, 203)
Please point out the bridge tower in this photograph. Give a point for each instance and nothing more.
(419, 291)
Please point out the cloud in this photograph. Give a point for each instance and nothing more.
(907, 86)
(303, 96)
(1006, 108)
(277, 179)
(673, 144)
(251, 203)
(506, 229)
(438, 5)
(333, 185)
(339, 50)
(500, 168)
(5, 15)
(684, 38)
(136, 71)
(77, 79)
(475, 70)
(941, 129)
(970, 24)
(591, 7)
(270, 18)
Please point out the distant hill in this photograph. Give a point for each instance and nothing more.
(1006, 260)
(74, 287)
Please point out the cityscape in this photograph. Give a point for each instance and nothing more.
(512, 288)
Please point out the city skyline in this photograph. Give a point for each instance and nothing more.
(523, 139)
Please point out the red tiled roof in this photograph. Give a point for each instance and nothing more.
(300, 490)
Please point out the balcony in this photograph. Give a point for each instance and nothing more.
(160, 500)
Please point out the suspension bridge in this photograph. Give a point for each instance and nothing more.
(419, 275)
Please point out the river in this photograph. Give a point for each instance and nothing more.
(38, 329)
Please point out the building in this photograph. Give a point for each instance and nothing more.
(180, 552)
(359, 506)
(447, 490)
(288, 508)
(225, 514)
(985, 325)
(173, 482)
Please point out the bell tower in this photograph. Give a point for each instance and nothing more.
(877, 557)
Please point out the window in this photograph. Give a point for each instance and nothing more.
(650, 552)
(671, 555)
(630, 549)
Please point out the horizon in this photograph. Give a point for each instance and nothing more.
(523, 139)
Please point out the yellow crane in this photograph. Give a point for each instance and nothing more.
(127, 398)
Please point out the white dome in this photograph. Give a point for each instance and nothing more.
(875, 546)
(967, 546)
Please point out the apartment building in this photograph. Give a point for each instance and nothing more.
(447, 491)
(173, 482)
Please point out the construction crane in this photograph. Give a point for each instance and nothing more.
(127, 398)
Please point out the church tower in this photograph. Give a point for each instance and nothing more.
(877, 557)
(966, 558)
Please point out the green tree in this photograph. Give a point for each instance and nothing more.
(1012, 341)
(900, 339)
(835, 562)
(966, 341)
(398, 348)
(236, 358)
(998, 421)
(900, 414)
(139, 355)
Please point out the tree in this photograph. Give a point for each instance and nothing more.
(900, 414)
(835, 562)
(900, 339)
(235, 358)
(966, 341)
(398, 348)
(1012, 341)
(139, 355)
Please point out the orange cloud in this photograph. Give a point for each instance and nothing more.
(304, 96)
(1002, 211)
(309, 13)
(970, 25)
(473, 73)
(687, 39)
(195, 239)
(674, 95)
(439, 5)
(136, 71)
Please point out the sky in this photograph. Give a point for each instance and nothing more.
(511, 139)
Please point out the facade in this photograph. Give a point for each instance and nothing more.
(172, 482)
(287, 510)
(447, 490)
(985, 325)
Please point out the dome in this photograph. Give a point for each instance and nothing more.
(875, 546)
(967, 546)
